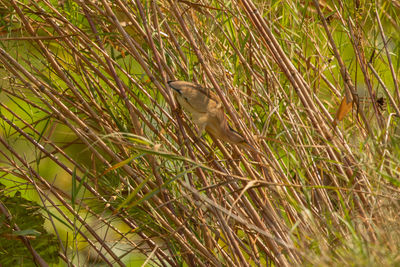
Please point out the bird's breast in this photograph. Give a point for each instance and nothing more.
(186, 105)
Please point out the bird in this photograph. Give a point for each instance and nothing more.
(207, 111)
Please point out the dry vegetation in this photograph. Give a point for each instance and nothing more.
(91, 131)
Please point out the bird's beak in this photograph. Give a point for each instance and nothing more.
(171, 84)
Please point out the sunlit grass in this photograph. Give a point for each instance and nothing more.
(90, 130)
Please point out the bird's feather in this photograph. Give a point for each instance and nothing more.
(206, 109)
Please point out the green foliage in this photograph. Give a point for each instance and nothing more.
(27, 216)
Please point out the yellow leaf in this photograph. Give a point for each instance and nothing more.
(344, 108)
(118, 165)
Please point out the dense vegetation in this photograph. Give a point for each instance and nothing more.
(91, 132)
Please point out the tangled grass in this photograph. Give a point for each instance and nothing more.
(90, 130)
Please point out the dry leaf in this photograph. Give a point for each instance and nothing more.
(344, 108)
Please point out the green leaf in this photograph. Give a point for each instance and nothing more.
(28, 217)
(27, 232)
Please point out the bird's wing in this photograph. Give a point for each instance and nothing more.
(208, 93)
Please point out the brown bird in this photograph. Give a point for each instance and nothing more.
(207, 111)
